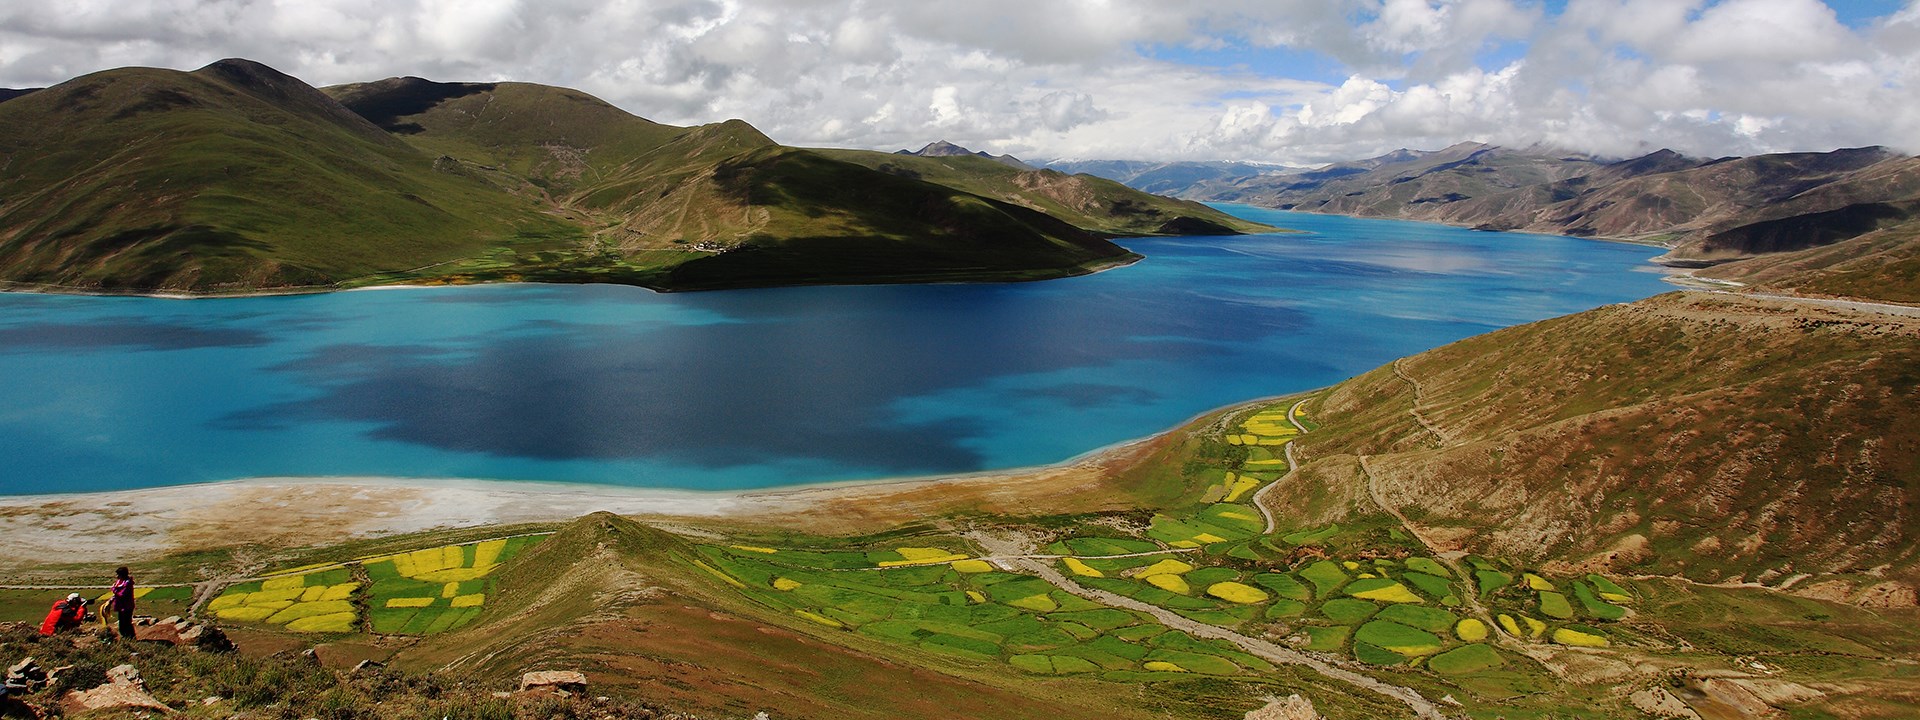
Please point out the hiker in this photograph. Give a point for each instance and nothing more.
(66, 614)
(120, 599)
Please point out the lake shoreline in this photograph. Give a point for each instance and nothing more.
(1091, 267)
(287, 512)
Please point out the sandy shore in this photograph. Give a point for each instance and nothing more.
(122, 526)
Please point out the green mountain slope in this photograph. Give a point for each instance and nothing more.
(716, 205)
(233, 176)
(1711, 436)
(236, 177)
(1086, 201)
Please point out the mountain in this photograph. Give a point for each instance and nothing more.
(1086, 201)
(236, 177)
(1716, 437)
(11, 93)
(1404, 183)
(717, 205)
(942, 148)
(1881, 264)
(231, 176)
(1166, 178)
(1704, 211)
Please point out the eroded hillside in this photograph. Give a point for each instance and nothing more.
(1722, 438)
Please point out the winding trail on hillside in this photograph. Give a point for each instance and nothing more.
(1293, 466)
(1401, 373)
(1860, 305)
(1016, 554)
(1452, 559)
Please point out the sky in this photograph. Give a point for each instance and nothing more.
(1297, 82)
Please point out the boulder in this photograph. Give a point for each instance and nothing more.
(1292, 707)
(124, 690)
(564, 680)
(111, 696)
(125, 675)
(25, 676)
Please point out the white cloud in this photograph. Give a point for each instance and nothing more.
(1071, 78)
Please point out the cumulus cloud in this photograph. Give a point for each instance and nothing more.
(1080, 78)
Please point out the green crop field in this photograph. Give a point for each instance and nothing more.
(420, 592)
(992, 615)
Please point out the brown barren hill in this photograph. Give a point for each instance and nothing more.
(1718, 437)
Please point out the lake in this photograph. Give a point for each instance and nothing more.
(752, 388)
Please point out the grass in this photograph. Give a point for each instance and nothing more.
(1348, 611)
(1491, 581)
(1283, 585)
(1554, 605)
(1593, 606)
(1397, 638)
(992, 616)
(1327, 638)
(1326, 577)
(1466, 659)
(1425, 618)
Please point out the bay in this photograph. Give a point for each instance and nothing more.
(752, 388)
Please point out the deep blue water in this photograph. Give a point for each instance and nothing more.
(751, 388)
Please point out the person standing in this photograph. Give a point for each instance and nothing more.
(121, 600)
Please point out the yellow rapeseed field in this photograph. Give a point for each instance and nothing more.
(1236, 592)
(1081, 568)
(1037, 603)
(1575, 637)
(822, 619)
(972, 566)
(1170, 583)
(1164, 567)
(1392, 593)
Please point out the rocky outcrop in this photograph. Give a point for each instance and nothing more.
(178, 631)
(571, 681)
(124, 690)
(1291, 707)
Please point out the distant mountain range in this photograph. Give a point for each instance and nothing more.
(942, 148)
(236, 177)
(1707, 211)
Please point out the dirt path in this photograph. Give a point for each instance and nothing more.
(1860, 305)
(1415, 410)
(1452, 559)
(1017, 558)
(1293, 465)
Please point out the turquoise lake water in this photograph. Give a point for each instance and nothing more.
(752, 388)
